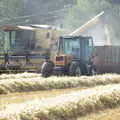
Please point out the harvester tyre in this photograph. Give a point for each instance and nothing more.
(46, 69)
(75, 70)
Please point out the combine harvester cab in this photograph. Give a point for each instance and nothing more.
(24, 48)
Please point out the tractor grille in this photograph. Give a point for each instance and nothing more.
(60, 58)
(60, 61)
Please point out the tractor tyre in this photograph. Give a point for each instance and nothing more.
(93, 71)
(46, 69)
(75, 69)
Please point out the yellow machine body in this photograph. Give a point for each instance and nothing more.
(62, 60)
(27, 46)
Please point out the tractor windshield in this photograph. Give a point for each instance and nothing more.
(78, 47)
(72, 47)
(18, 40)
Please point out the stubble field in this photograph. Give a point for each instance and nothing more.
(28, 96)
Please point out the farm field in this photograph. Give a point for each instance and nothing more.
(17, 98)
(26, 84)
(109, 114)
(61, 98)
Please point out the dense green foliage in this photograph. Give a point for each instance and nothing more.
(46, 11)
(68, 13)
(9, 9)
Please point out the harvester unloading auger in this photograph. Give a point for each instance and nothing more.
(74, 54)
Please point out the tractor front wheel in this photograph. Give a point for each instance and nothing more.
(46, 69)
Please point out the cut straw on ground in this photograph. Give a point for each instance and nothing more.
(67, 106)
(19, 75)
(38, 83)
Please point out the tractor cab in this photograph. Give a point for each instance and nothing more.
(78, 47)
(72, 58)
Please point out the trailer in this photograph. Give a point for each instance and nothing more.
(106, 59)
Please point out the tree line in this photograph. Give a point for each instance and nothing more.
(76, 15)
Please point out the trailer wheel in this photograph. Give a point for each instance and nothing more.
(93, 71)
(75, 70)
(46, 69)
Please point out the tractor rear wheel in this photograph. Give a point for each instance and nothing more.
(46, 69)
(93, 71)
(75, 70)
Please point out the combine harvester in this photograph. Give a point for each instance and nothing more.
(24, 48)
(77, 55)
